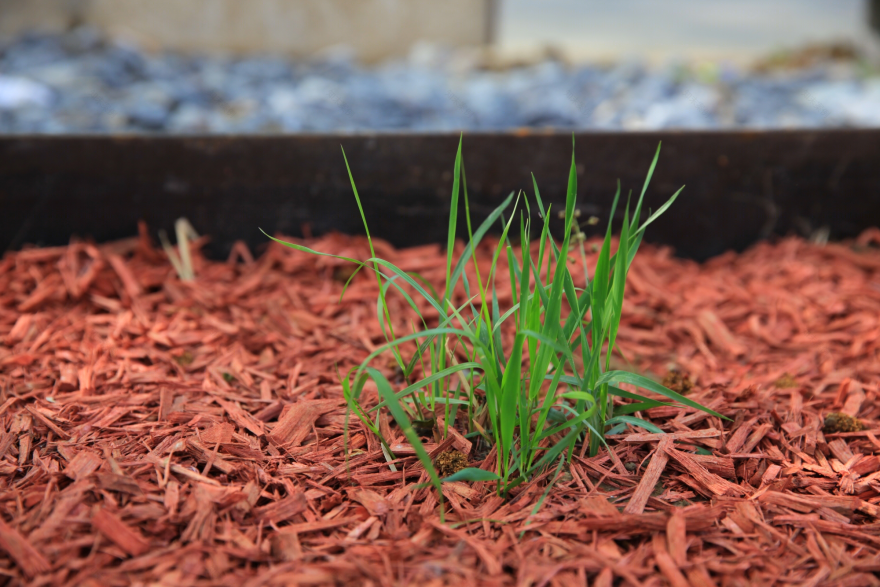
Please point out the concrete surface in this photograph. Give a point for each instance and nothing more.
(736, 30)
(375, 29)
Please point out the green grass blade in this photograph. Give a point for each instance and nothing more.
(637, 407)
(510, 396)
(399, 414)
(305, 249)
(600, 284)
(422, 383)
(660, 210)
(478, 237)
(641, 381)
(618, 285)
(472, 474)
(585, 415)
(502, 399)
(453, 219)
(635, 422)
(638, 210)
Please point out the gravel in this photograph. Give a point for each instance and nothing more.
(79, 82)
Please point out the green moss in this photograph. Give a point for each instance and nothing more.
(840, 422)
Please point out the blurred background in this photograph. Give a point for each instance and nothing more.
(316, 66)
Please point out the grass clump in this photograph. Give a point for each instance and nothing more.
(532, 401)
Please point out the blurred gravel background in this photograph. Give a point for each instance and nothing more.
(79, 82)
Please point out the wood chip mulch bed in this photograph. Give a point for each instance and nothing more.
(161, 432)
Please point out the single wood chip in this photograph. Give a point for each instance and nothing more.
(711, 482)
(49, 423)
(652, 474)
(493, 565)
(667, 565)
(649, 437)
(297, 423)
(676, 537)
(22, 552)
(283, 509)
(241, 417)
(119, 533)
(83, 464)
(719, 334)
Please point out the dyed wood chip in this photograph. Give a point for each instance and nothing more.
(155, 431)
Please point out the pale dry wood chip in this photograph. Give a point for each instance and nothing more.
(756, 437)
(722, 465)
(866, 465)
(810, 503)
(855, 397)
(739, 436)
(117, 482)
(318, 525)
(68, 379)
(840, 449)
(359, 530)
(770, 474)
(461, 443)
(209, 455)
(401, 449)
(597, 505)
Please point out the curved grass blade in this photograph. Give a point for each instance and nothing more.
(472, 474)
(635, 422)
(637, 407)
(428, 381)
(651, 385)
(405, 424)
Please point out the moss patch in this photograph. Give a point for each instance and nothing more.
(450, 462)
(839, 422)
(786, 382)
(185, 359)
(678, 382)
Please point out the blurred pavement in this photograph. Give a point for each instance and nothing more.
(731, 30)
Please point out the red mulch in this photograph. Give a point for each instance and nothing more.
(159, 432)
